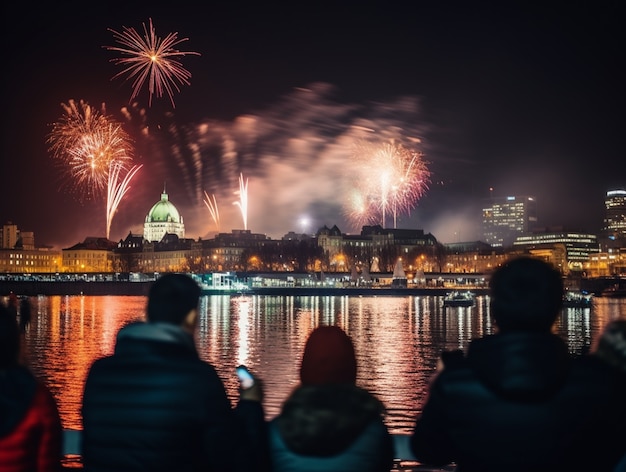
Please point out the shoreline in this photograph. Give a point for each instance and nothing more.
(141, 288)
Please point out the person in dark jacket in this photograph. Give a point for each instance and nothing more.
(518, 401)
(328, 423)
(30, 426)
(154, 405)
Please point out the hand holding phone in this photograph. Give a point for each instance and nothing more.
(246, 379)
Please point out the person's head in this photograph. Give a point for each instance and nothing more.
(611, 345)
(9, 338)
(526, 295)
(328, 358)
(171, 298)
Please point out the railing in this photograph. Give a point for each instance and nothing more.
(405, 461)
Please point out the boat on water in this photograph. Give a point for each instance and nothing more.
(459, 298)
(576, 299)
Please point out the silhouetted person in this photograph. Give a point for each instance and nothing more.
(610, 349)
(328, 423)
(13, 304)
(30, 426)
(25, 312)
(611, 345)
(154, 405)
(518, 401)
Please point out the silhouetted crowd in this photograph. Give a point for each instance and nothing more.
(516, 400)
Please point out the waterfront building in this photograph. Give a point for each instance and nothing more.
(506, 218)
(170, 254)
(163, 218)
(331, 242)
(30, 261)
(607, 264)
(567, 251)
(376, 248)
(241, 249)
(473, 257)
(19, 255)
(94, 254)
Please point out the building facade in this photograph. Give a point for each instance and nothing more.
(92, 255)
(615, 215)
(506, 218)
(567, 251)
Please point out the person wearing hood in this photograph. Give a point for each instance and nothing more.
(31, 434)
(518, 401)
(155, 405)
(328, 422)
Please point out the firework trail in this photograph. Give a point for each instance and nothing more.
(117, 189)
(151, 59)
(243, 200)
(211, 204)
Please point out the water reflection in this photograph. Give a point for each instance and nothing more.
(397, 339)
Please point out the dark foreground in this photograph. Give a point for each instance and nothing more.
(405, 461)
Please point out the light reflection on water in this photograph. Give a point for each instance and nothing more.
(397, 340)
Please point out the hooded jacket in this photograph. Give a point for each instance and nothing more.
(519, 402)
(155, 405)
(331, 427)
(30, 426)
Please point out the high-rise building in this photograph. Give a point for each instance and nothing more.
(10, 235)
(615, 215)
(506, 218)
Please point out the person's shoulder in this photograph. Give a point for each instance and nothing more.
(45, 402)
(453, 359)
(593, 372)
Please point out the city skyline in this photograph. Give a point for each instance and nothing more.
(523, 100)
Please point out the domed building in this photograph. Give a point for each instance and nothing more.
(163, 219)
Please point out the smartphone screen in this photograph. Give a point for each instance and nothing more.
(245, 377)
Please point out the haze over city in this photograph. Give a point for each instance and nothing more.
(520, 99)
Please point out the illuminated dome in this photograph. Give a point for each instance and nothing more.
(163, 218)
(163, 211)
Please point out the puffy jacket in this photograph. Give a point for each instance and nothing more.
(519, 402)
(154, 405)
(330, 427)
(30, 427)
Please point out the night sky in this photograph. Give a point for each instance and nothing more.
(527, 100)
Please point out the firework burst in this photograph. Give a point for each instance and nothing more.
(151, 59)
(389, 178)
(85, 142)
(95, 153)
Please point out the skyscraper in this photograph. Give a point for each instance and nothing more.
(505, 218)
(615, 215)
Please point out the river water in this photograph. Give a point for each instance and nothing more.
(397, 340)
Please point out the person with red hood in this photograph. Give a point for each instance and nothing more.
(30, 427)
(328, 422)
